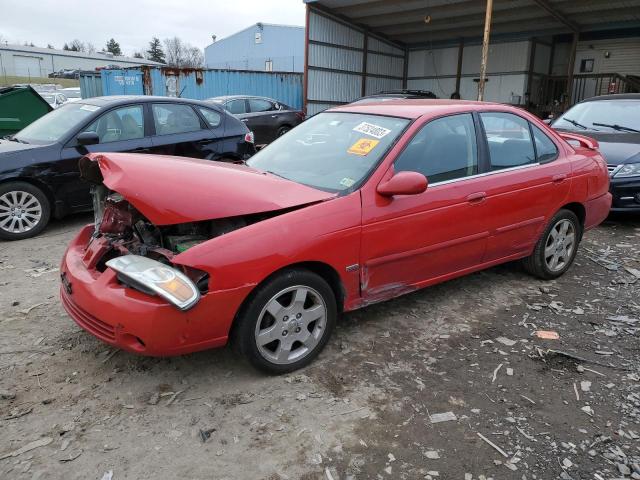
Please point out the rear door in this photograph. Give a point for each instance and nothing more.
(263, 119)
(408, 241)
(525, 185)
(121, 129)
(179, 130)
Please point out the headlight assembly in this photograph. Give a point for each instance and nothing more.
(156, 278)
(628, 170)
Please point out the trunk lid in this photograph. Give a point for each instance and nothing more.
(172, 190)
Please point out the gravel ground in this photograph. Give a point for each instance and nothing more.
(516, 406)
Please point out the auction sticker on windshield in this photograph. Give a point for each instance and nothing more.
(363, 146)
(371, 129)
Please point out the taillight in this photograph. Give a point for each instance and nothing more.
(248, 137)
(300, 115)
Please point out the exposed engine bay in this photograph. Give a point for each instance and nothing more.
(123, 230)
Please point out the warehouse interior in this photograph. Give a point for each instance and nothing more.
(544, 55)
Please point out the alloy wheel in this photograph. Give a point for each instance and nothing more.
(20, 211)
(560, 245)
(291, 325)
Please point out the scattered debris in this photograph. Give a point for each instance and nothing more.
(497, 448)
(547, 335)
(495, 373)
(443, 417)
(28, 447)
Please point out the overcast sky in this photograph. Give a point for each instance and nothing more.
(133, 22)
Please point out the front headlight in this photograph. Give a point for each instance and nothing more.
(628, 170)
(156, 278)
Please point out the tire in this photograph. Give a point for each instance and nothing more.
(27, 221)
(286, 322)
(282, 130)
(551, 256)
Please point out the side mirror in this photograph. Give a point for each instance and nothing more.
(88, 138)
(403, 183)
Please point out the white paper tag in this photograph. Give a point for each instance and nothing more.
(372, 130)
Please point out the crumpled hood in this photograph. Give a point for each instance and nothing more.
(170, 190)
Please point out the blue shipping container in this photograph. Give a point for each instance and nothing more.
(203, 84)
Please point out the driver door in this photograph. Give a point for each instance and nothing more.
(122, 129)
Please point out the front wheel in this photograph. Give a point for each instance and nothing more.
(24, 210)
(557, 247)
(287, 322)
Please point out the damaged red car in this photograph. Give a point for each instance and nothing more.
(357, 205)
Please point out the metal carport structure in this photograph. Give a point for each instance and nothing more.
(358, 47)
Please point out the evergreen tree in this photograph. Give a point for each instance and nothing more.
(114, 47)
(155, 52)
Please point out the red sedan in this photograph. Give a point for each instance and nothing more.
(357, 205)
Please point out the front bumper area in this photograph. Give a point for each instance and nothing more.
(137, 322)
(626, 194)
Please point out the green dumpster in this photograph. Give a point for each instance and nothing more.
(20, 106)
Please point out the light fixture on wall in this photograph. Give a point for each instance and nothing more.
(607, 54)
(427, 19)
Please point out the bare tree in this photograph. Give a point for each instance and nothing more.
(91, 49)
(181, 54)
(76, 46)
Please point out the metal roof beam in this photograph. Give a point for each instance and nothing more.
(547, 7)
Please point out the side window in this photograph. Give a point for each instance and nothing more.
(545, 148)
(126, 123)
(174, 118)
(259, 105)
(509, 140)
(236, 106)
(212, 117)
(444, 149)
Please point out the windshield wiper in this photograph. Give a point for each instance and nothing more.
(615, 126)
(577, 124)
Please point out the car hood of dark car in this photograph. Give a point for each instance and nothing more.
(616, 148)
(9, 147)
(172, 190)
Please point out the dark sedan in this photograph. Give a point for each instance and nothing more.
(267, 118)
(39, 174)
(613, 120)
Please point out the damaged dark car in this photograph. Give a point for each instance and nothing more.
(39, 175)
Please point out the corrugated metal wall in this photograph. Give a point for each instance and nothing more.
(338, 71)
(507, 69)
(202, 84)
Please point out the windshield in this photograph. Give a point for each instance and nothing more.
(55, 125)
(615, 114)
(331, 151)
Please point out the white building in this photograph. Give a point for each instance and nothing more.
(23, 61)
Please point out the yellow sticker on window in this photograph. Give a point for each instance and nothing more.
(363, 146)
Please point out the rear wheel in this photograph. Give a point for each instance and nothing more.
(282, 130)
(24, 210)
(287, 322)
(557, 247)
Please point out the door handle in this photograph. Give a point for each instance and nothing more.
(477, 197)
(274, 116)
(245, 120)
(559, 178)
(140, 149)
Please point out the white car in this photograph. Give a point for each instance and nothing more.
(72, 93)
(54, 99)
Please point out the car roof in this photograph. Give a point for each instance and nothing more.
(114, 100)
(617, 96)
(415, 108)
(223, 98)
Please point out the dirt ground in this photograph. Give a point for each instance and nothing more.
(367, 408)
